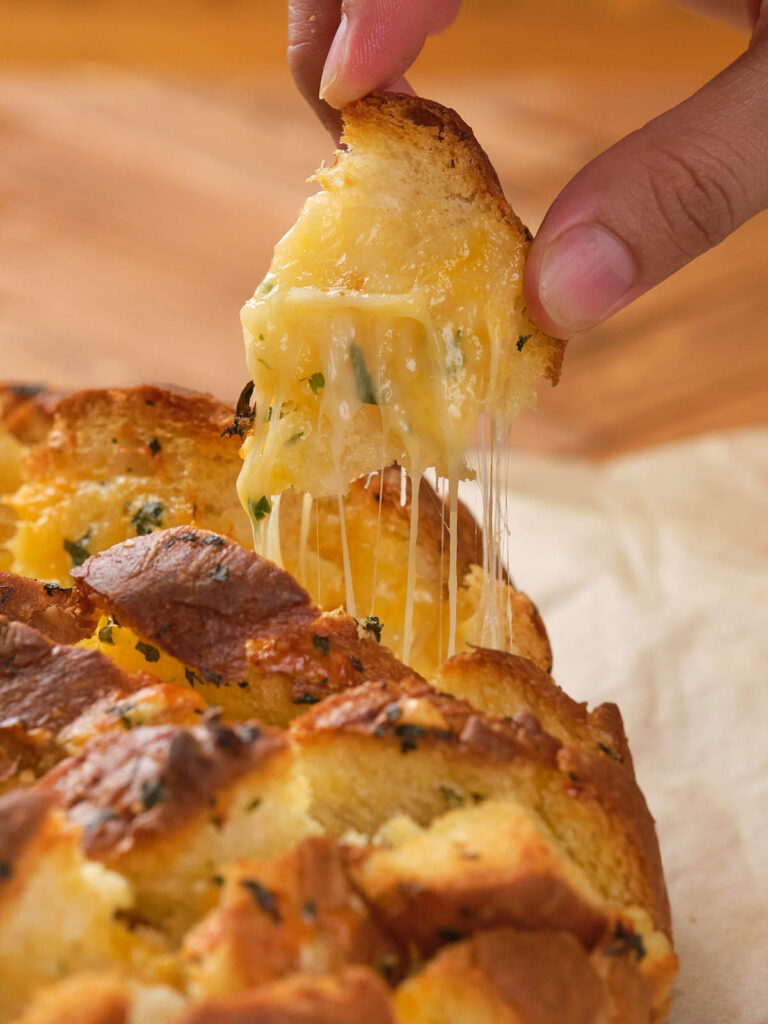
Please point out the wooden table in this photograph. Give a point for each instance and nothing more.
(139, 204)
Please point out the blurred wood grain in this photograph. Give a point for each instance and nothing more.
(140, 198)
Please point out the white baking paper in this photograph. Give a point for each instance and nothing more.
(651, 573)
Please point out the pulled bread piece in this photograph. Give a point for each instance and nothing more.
(385, 749)
(118, 463)
(508, 976)
(165, 805)
(377, 524)
(57, 911)
(300, 912)
(392, 314)
(235, 626)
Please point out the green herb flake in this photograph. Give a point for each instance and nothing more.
(259, 509)
(78, 550)
(306, 698)
(154, 446)
(309, 910)
(264, 897)
(5, 870)
(219, 572)
(191, 677)
(217, 879)
(409, 734)
(610, 752)
(625, 941)
(253, 804)
(386, 965)
(322, 643)
(371, 624)
(106, 633)
(357, 664)
(522, 340)
(150, 653)
(147, 517)
(295, 437)
(363, 381)
(152, 793)
(123, 712)
(477, 798)
(451, 796)
(316, 381)
(393, 712)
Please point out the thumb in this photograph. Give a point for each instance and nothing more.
(653, 202)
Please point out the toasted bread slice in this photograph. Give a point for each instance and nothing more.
(392, 315)
(56, 909)
(120, 463)
(519, 977)
(385, 749)
(300, 912)
(167, 805)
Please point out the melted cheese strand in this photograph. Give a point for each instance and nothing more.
(274, 551)
(348, 583)
(306, 517)
(453, 522)
(378, 543)
(410, 585)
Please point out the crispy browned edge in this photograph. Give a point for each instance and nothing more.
(353, 996)
(196, 411)
(601, 728)
(547, 977)
(21, 815)
(219, 608)
(398, 112)
(589, 775)
(54, 611)
(149, 781)
(26, 410)
(46, 685)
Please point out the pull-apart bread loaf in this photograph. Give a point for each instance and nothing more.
(225, 797)
(267, 815)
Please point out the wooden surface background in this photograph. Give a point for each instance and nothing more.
(151, 155)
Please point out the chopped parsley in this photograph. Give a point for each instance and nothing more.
(219, 572)
(78, 550)
(295, 437)
(306, 698)
(106, 633)
(522, 340)
(259, 509)
(408, 735)
(150, 653)
(625, 941)
(264, 897)
(244, 414)
(147, 517)
(363, 381)
(357, 664)
(316, 381)
(371, 624)
(451, 796)
(123, 712)
(154, 446)
(253, 804)
(322, 643)
(152, 793)
(609, 752)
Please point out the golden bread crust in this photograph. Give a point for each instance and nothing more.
(26, 411)
(54, 611)
(300, 912)
(198, 595)
(352, 996)
(21, 815)
(145, 783)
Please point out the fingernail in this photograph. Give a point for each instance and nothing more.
(586, 274)
(337, 56)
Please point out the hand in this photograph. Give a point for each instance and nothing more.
(631, 217)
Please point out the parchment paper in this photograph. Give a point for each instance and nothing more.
(651, 572)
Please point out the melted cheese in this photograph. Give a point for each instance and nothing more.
(390, 321)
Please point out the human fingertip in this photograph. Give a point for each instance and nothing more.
(332, 86)
(579, 278)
